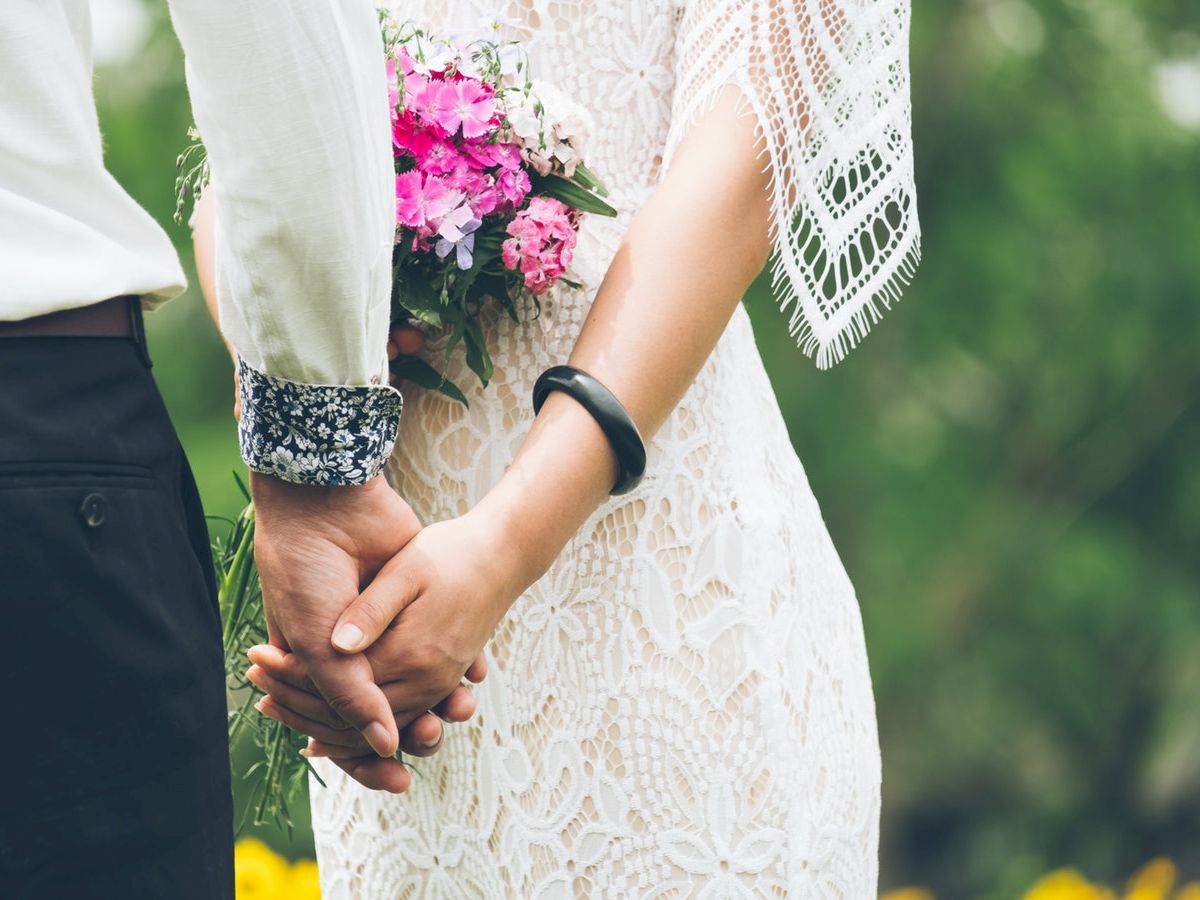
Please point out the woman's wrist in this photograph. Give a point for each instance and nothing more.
(495, 567)
(563, 472)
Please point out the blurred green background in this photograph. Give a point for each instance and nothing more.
(1009, 463)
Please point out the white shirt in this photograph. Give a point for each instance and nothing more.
(291, 100)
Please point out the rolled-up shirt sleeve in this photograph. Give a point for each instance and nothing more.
(290, 97)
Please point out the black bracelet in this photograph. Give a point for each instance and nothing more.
(618, 426)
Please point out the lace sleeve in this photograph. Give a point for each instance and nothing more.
(828, 81)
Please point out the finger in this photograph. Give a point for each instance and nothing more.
(377, 774)
(409, 341)
(370, 614)
(478, 670)
(392, 350)
(348, 686)
(348, 739)
(423, 737)
(459, 706)
(286, 669)
(318, 749)
(284, 666)
(311, 706)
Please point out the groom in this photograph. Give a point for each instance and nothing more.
(115, 760)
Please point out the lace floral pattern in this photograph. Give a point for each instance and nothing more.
(315, 434)
(682, 706)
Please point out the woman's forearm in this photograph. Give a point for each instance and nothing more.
(688, 258)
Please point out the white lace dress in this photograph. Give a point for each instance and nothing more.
(682, 706)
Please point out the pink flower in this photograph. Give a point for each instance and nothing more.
(408, 134)
(487, 156)
(406, 61)
(425, 99)
(414, 90)
(552, 217)
(485, 202)
(541, 243)
(513, 185)
(422, 200)
(440, 157)
(468, 105)
(507, 155)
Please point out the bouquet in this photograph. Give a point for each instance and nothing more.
(491, 189)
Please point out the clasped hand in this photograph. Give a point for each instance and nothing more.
(365, 673)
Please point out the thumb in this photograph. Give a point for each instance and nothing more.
(365, 620)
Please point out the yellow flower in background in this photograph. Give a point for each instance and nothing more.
(262, 874)
(908, 893)
(1066, 884)
(303, 882)
(259, 872)
(1153, 881)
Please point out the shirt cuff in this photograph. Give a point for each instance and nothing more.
(316, 434)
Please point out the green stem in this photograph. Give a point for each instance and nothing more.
(233, 586)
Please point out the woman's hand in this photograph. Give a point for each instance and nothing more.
(433, 607)
(293, 699)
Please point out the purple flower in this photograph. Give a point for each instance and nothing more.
(457, 233)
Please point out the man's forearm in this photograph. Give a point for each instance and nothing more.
(291, 100)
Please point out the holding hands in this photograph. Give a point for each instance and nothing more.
(419, 628)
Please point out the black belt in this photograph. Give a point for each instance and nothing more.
(117, 317)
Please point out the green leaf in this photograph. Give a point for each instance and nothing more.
(429, 317)
(478, 359)
(422, 374)
(587, 178)
(572, 195)
(242, 486)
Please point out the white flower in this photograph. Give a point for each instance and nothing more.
(569, 121)
(466, 63)
(537, 162)
(510, 57)
(552, 128)
(523, 117)
(431, 56)
(497, 21)
(567, 158)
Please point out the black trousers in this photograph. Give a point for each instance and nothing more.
(114, 771)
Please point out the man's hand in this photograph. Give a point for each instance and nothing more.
(423, 621)
(294, 700)
(316, 547)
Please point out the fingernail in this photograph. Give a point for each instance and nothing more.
(306, 753)
(429, 745)
(376, 735)
(258, 704)
(348, 637)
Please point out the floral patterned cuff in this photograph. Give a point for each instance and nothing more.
(316, 434)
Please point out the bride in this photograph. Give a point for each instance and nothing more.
(678, 700)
